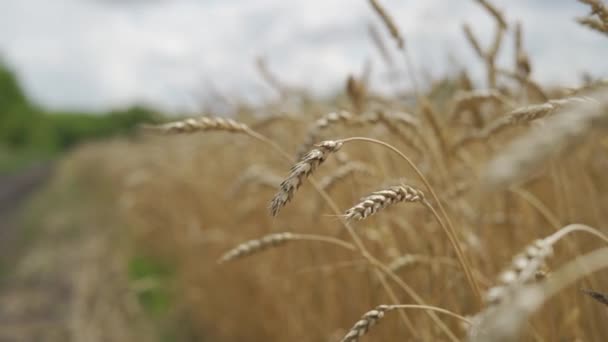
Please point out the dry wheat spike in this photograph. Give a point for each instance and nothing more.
(594, 24)
(368, 320)
(201, 124)
(528, 153)
(256, 174)
(257, 245)
(277, 239)
(300, 171)
(522, 270)
(369, 205)
(520, 116)
(599, 9)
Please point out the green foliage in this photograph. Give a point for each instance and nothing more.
(29, 133)
(154, 296)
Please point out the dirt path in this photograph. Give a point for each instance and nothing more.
(14, 191)
(70, 281)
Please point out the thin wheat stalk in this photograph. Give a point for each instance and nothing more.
(301, 171)
(496, 45)
(372, 317)
(255, 174)
(321, 124)
(524, 80)
(275, 240)
(600, 297)
(498, 16)
(380, 46)
(433, 119)
(389, 23)
(467, 100)
(393, 121)
(342, 172)
(473, 40)
(381, 199)
(522, 62)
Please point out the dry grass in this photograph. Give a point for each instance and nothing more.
(539, 162)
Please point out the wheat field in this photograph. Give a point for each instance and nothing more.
(457, 211)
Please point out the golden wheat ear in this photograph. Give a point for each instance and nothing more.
(380, 199)
(201, 124)
(300, 172)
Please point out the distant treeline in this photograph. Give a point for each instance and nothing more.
(30, 132)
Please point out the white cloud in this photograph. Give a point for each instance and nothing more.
(99, 53)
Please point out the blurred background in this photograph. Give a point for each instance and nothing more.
(77, 73)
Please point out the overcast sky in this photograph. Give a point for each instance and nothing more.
(97, 54)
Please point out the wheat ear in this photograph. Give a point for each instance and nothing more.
(300, 171)
(370, 204)
(274, 240)
(598, 8)
(565, 129)
(193, 125)
(371, 318)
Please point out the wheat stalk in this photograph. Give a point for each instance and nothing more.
(255, 174)
(498, 16)
(321, 124)
(389, 23)
(380, 46)
(342, 172)
(600, 297)
(300, 171)
(473, 40)
(370, 204)
(525, 80)
(467, 100)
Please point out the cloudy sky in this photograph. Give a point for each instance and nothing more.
(97, 54)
